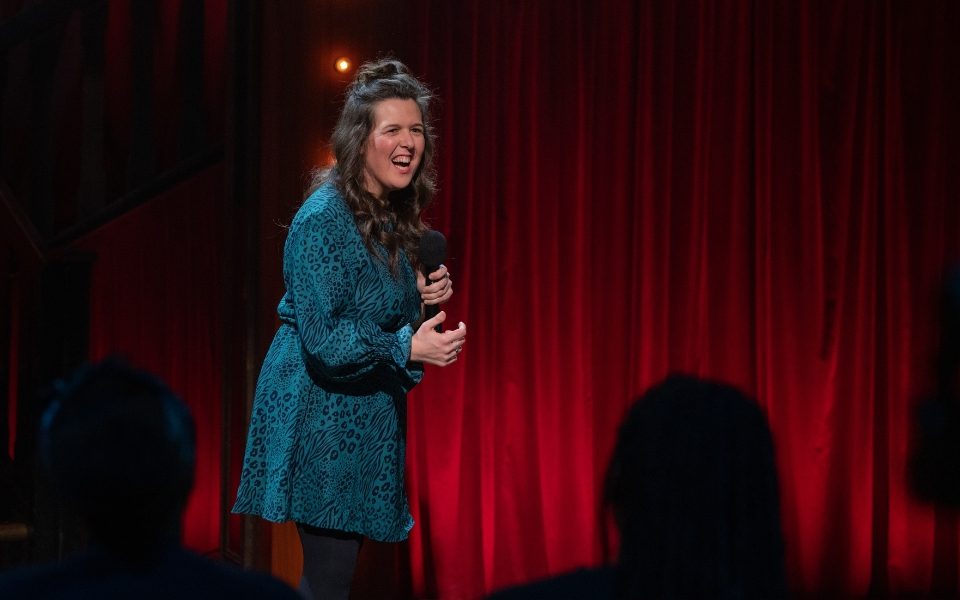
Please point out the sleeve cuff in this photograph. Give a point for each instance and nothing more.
(401, 350)
(413, 370)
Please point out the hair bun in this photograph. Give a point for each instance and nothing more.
(381, 69)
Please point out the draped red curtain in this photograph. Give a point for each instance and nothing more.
(762, 193)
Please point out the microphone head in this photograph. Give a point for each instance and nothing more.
(432, 250)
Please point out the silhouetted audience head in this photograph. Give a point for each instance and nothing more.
(935, 456)
(693, 489)
(119, 447)
(948, 358)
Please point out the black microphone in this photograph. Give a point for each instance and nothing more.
(432, 252)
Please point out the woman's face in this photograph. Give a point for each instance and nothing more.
(395, 146)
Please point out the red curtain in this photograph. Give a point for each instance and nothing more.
(762, 193)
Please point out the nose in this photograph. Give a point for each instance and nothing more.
(406, 139)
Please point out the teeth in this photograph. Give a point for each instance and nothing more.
(403, 161)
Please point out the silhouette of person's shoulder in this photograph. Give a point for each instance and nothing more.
(575, 585)
(178, 574)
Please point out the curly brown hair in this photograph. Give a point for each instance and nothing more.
(393, 224)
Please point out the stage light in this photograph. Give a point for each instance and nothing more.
(342, 64)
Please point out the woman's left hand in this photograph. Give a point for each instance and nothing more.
(437, 292)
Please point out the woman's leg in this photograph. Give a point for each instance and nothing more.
(329, 557)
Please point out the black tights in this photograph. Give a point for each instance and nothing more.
(329, 557)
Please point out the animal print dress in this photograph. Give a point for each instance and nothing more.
(326, 443)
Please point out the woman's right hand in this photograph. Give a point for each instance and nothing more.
(434, 348)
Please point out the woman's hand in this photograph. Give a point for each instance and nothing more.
(437, 292)
(434, 348)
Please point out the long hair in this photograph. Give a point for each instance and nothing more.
(693, 488)
(394, 223)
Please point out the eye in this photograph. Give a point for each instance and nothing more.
(416, 130)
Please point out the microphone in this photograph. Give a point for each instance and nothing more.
(432, 252)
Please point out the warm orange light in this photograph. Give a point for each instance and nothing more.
(343, 64)
(325, 157)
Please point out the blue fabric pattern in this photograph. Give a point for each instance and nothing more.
(326, 444)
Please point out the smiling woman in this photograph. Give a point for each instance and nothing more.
(327, 440)
(395, 146)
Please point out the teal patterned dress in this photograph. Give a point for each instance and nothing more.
(326, 444)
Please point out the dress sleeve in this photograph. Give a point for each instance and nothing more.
(322, 283)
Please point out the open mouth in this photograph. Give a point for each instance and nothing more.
(402, 161)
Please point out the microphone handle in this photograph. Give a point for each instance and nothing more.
(431, 310)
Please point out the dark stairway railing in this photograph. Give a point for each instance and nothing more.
(70, 165)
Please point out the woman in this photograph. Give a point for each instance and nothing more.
(327, 432)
